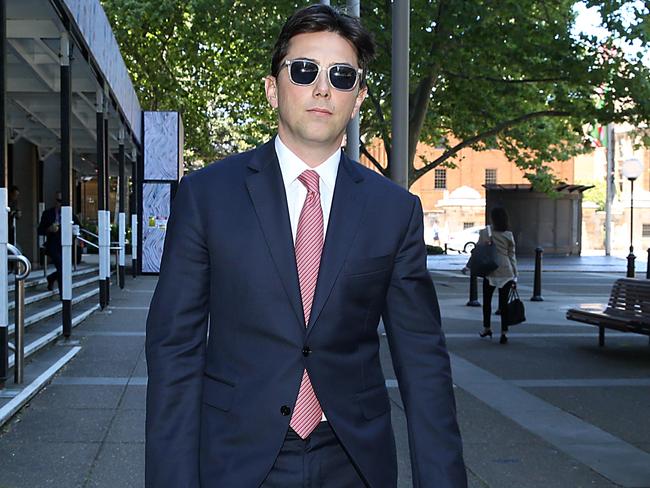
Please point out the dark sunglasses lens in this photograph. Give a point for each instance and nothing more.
(303, 72)
(343, 77)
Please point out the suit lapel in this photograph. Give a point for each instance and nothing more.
(348, 204)
(266, 190)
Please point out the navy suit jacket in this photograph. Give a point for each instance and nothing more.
(227, 344)
(53, 239)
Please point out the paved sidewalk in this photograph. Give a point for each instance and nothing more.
(593, 263)
(550, 409)
(86, 429)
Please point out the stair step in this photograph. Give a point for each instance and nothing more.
(53, 310)
(37, 297)
(27, 392)
(33, 281)
(53, 334)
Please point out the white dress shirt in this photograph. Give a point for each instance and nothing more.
(291, 167)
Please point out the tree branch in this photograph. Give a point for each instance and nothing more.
(502, 80)
(382, 120)
(371, 158)
(417, 173)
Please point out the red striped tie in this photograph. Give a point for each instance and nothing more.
(309, 246)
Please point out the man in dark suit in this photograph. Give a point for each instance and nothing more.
(50, 227)
(262, 344)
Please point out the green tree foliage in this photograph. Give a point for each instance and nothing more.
(484, 74)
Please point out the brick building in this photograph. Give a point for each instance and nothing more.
(453, 199)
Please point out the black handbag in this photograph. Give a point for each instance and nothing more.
(484, 257)
(515, 312)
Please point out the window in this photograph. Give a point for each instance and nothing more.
(646, 230)
(490, 176)
(440, 179)
(467, 225)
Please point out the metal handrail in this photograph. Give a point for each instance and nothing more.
(81, 229)
(87, 242)
(19, 312)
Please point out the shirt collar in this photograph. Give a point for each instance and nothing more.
(291, 166)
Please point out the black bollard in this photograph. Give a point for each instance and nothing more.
(473, 292)
(630, 264)
(647, 269)
(537, 289)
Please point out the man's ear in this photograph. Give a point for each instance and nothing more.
(271, 89)
(361, 96)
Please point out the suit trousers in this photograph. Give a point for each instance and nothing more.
(319, 461)
(57, 261)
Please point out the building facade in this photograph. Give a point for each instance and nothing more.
(453, 198)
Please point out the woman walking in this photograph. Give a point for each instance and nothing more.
(505, 276)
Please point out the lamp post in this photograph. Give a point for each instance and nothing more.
(632, 169)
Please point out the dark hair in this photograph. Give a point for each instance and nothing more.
(13, 188)
(323, 18)
(499, 218)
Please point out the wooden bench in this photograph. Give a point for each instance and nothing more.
(628, 309)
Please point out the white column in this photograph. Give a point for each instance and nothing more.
(122, 223)
(107, 230)
(66, 252)
(4, 235)
(103, 247)
(134, 237)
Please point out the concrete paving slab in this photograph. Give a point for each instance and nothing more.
(613, 458)
(127, 426)
(79, 396)
(615, 410)
(41, 424)
(32, 464)
(118, 465)
(134, 398)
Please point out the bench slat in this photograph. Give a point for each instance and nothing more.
(628, 309)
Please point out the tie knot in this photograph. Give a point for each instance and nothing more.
(310, 178)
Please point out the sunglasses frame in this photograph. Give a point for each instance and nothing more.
(359, 72)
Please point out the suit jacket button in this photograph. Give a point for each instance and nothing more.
(306, 351)
(284, 410)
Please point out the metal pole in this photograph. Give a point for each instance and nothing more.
(107, 196)
(41, 209)
(101, 201)
(19, 313)
(4, 148)
(4, 223)
(400, 93)
(647, 269)
(66, 186)
(631, 257)
(352, 144)
(19, 330)
(537, 288)
(122, 214)
(134, 215)
(610, 188)
(139, 203)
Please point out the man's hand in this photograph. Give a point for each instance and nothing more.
(53, 228)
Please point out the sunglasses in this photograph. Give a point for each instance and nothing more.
(304, 72)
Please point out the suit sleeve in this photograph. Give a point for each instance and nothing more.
(45, 222)
(175, 349)
(417, 345)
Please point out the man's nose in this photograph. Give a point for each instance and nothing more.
(321, 86)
